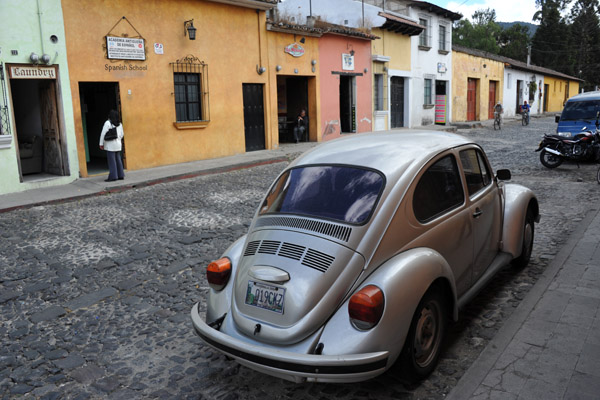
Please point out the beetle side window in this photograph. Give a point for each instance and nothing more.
(439, 190)
(476, 171)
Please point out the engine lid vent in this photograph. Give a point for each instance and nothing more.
(336, 231)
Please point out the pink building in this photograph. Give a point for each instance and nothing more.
(346, 81)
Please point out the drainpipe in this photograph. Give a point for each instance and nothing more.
(41, 29)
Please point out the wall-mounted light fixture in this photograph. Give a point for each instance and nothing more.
(46, 59)
(34, 58)
(351, 52)
(260, 70)
(302, 40)
(313, 62)
(189, 30)
(366, 70)
(278, 68)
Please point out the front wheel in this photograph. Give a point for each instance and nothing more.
(527, 244)
(523, 120)
(497, 124)
(424, 341)
(550, 160)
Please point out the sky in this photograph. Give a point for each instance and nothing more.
(506, 10)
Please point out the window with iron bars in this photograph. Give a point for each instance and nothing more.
(190, 78)
(4, 115)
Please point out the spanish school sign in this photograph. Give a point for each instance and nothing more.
(122, 48)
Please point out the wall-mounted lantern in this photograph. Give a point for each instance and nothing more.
(188, 28)
(260, 70)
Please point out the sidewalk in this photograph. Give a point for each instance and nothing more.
(549, 348)
(95, 185)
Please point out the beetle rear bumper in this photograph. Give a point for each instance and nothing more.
(289, 365)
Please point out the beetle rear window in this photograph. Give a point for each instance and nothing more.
(342, 193)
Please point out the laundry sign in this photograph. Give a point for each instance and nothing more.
(32, 72)
(123, 48)
(294, 49)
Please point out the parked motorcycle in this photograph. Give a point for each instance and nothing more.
(585, 146)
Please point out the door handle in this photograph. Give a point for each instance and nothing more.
(477, 213)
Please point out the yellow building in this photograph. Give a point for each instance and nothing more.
(557, 90)
(477, 84)
(192, 79)
(391, 55)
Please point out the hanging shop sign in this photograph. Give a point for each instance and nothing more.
(123, 48)
(347, 62)
(294, 49)
(32, 72)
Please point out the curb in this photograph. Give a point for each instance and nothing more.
(146, 183)
(477, 372)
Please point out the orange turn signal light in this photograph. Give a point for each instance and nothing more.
(366, 307)
(218, 273)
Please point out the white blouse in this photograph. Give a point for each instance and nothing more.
(111, 145)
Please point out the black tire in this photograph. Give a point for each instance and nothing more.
(598, 176)
(523, 120)
(527, 244)
(497, 124)
(550, 160)
(425, 337)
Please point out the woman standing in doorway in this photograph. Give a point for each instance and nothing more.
(113, 146)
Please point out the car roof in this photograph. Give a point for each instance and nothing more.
(390, 152)
(595, 95)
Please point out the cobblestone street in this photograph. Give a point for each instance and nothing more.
(95, 294)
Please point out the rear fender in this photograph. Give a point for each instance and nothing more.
(518, 199)
(219, 302)
(404, 280)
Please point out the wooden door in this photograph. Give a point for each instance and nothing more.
(50, 131)
(471, 99)
(397, 102)
(492, 100)
(254, 116)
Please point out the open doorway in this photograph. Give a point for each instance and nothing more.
(292, 97)
(97, 99)
(347, 103)
(441, 102)
(40, 140)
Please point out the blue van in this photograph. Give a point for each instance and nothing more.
(579, 114)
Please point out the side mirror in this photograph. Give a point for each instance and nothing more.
(503, 174)
(557, 118)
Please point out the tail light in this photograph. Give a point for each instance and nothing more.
(218, 273)
(366, 307)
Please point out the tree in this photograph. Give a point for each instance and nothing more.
(514, 42)
(483, 34)
(585, 42)
(550, 43)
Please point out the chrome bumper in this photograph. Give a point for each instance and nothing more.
(293, 366)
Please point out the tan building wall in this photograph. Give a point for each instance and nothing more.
(559, 91)
(397, 48)
(231, 40)
(284, 67)
(483, 70)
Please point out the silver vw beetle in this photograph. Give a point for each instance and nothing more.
(359, 254)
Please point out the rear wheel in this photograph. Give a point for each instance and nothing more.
(550, 160)
(424, 341)
(527, 244)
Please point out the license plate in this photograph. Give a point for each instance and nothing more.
(265, 296)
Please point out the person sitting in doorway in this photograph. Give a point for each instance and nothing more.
(301, 126)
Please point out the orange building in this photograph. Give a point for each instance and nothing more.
(192, 79)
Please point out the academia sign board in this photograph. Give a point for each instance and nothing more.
(122, 48)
